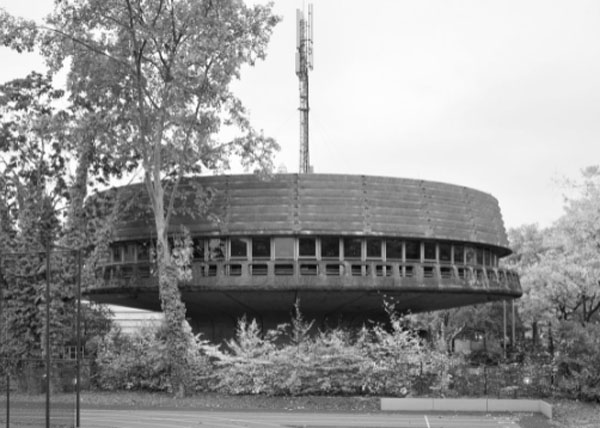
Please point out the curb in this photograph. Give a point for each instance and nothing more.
(465, 405)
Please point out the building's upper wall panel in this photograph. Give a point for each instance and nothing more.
(285, 204)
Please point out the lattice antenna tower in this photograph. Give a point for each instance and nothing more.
(304, 63)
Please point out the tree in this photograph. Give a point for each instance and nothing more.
(31, 162)
(560, 266)
(160, 71)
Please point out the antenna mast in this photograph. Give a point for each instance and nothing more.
(304, 62)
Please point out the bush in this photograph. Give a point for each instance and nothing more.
(576, 360)
(140, 361)
(287, 361)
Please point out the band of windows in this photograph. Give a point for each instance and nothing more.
(319, 248)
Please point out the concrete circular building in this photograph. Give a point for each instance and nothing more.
(340, 244)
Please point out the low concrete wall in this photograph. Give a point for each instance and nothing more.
(465, 405)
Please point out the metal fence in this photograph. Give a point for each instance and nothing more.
(40, 365)
(500, 381)
(24, 400)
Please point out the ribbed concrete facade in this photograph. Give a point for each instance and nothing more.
(341, 204)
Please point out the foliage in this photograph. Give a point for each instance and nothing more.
(371, 361)
(560, 265)
(576, 360)
(141, 362)
(159, 72)
(34, 157)
(560, 274)
(286, 361)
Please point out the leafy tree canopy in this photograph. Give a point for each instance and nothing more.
(560, 265)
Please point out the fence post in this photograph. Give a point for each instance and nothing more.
(48, 335)
(7, 400)
(5, 331)
(78, 378)
(485, 381)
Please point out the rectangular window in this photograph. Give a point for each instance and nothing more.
(259, 269)
(117, 253)
(261, 247)
(487, 260)
(309, 269)
(469, 256)
(198, 248)
(429, 250)
(413, 250)
(446, 272)
(234, 270)
(238, 248)
(356, 270)
(479, 252)
(445, 252)
(374, 248)
(393, 249)
(284, 248)
(459, 254)
(284, 269)
(352, 248)
(307, 247)
(332, 270)
(143, 251)
(428, 272)
(129, 252)
(330, 247)
(216, 249)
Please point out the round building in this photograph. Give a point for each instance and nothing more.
(339, 244)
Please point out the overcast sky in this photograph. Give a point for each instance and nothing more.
(502, 96)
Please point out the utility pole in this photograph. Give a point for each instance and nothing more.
(304, 63)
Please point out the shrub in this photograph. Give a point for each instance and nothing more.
(288, 361)
(140, 361)
(576, 360)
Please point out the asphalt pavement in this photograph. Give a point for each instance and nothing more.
(99, 418)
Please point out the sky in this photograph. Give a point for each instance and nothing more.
(500, 96)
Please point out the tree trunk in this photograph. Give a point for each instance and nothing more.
(171, 304)
(75, 228)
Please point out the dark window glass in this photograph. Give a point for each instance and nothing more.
(143, 251)
(238, 247)
(459, 254)
(470, 256)
(445, 252)
(374, 248)
(129, 252)
(330, 247)
(216, 249)
(261, 247)
(352, 248)
(413, 250)
(479, 256)
(429, 250)
(307, 247)
(393, 249)
(284, 248)
(117, 253)
(487, 260)
(198, 248)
